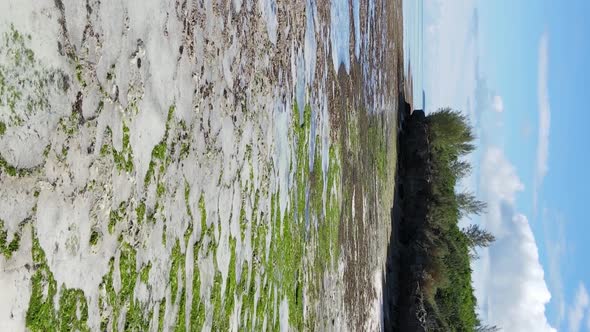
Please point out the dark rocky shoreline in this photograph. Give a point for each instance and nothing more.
(404, 305)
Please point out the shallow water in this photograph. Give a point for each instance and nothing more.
(340, 34)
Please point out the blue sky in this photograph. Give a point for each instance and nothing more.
(520, 70)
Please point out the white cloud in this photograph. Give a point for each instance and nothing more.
(555, 244)
(544, 117)
(450, 52)
(500, 178)
(576, 312)
(498, 104)
(509, 279)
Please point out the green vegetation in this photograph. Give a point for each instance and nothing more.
(41, 315)
(5, 166)
(449, 288)
(178, 266)
(476, 238)
(161, 314)
(25, 87)
(11, 170)
(160, 154)
(24, 83)
(144, 274)
(326, 211)
(197, 313)
(180, 325)
(94, 236)
(116, 216)
(8, 168)
(378, 150)
(140, 211)
(79, 73)
(328, 232)
(283, 268)
(277, 271)
(69, 125)
(71, 302)
(7, 249)
(123, 301)
(177, 262)
(124, 158)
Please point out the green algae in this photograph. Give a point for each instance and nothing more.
(41, 314)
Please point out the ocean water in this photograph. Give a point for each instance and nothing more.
(413, 12)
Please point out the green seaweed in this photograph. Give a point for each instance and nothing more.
(41, 314)
(177, 262)
(135, 318)
(161, 314)
(140, 211)
(7, 249)
(197, 315)
(123, 302)
(71, 302)
(144, 273)
(124, 159)
(116, 216)
(180, 325)
(94, 236)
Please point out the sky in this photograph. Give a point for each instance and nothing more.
(519, 69)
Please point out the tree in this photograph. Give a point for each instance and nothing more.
(477, 238)
(468, 205)
(487, 328)
(451, 133)
(479, 327)
(460, 169)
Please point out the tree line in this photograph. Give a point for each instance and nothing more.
(449, 289)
